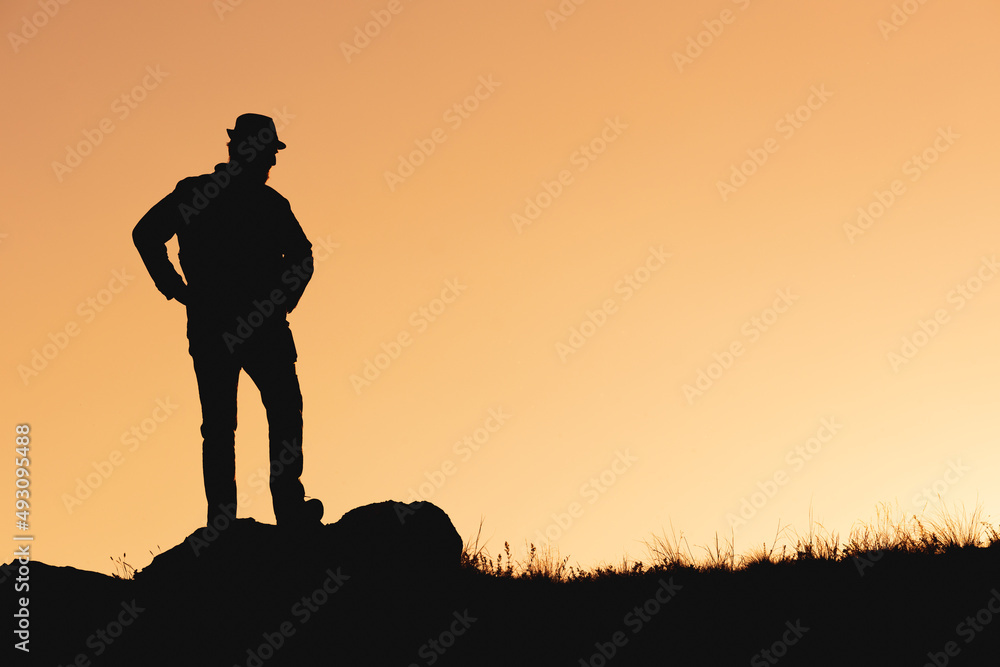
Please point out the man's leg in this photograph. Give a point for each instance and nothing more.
(273, 371)
(218, 377)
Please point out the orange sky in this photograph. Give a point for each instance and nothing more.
(613, 204)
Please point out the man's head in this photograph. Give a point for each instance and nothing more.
(254, 143)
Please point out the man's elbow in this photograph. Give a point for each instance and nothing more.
(138, 237)
(142, 233)
(301, 265)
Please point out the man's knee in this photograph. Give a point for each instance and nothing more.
(281, 394)
(220, 432)
(289, 452)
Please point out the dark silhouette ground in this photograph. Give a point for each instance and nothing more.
(384, 586)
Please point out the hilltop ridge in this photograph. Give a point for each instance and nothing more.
(387, 584)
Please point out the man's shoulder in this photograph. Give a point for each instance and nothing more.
(274, 196)
(223, 185)
(265, 196)
(217, 176)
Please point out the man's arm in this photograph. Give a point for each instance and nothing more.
(150, 236)
(298, 261)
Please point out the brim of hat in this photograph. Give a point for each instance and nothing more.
(234, 137)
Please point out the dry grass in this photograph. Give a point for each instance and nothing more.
(889, 530)
(934, 533)
(124, 570)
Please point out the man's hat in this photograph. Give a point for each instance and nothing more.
(258, 126)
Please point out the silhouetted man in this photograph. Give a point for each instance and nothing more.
(246, 263)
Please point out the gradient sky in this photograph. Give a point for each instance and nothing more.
(697, 167)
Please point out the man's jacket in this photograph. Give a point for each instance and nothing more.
(245, 258)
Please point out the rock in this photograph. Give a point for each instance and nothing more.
(394, 536)
(387, 538)
(338, 587)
